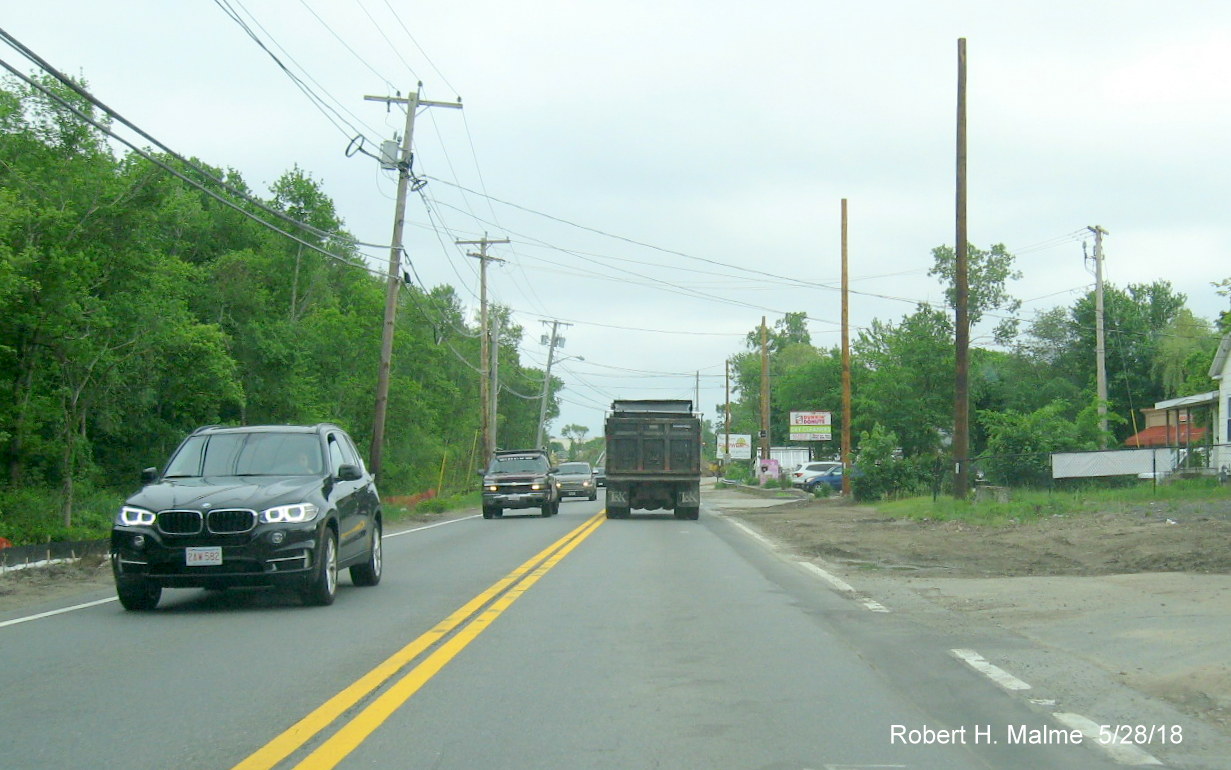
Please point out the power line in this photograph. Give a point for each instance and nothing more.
(331, 114)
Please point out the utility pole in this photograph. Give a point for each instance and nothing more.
(846, 366)
(404, 161)
(1100, 344)
(764, 391)
(726, 436)
(493, 392)
(552, 344)
(486, 397)
(961, 390)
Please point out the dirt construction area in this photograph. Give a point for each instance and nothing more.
(1140, 598)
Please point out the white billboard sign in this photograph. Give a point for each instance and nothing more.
(811, 426)
(740, 444)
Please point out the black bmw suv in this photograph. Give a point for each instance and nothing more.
(268, 505)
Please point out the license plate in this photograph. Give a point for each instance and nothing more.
(207, 556)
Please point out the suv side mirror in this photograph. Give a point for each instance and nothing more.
(553, 470)
(149, 475)
(349, 472)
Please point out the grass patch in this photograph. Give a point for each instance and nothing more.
(1028, 505)
(432, 508)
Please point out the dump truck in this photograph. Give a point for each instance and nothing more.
(653, 458)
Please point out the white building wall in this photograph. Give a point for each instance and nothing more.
(1220, 370)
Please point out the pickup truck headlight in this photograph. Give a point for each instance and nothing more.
(289, 514)
(131, 516)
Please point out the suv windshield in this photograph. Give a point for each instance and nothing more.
(248, 454)
(575, 468)
(518, 464)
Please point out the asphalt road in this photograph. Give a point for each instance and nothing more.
(569, 642)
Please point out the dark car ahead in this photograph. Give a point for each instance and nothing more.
(270, 505)
(575, 479)
(520, 478)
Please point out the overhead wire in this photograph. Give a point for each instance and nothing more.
(331, 114)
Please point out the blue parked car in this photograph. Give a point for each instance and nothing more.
(832, 478)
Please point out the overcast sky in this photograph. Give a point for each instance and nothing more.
(663, 169)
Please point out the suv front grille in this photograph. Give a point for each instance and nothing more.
(179, 522)
(516, 487)
(231, 522)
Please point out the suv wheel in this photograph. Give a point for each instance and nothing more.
(323, 586)
(138, 594)
(368, 573)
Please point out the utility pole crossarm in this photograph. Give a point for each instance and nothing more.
(413, 99)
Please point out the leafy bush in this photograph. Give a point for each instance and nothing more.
(1019, 446)
(30, 515)
(882, 473)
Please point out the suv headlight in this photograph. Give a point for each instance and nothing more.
(289, 514)
(131, 516)
(538, 484)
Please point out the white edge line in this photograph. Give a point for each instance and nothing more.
(829, 578)
(430, 526)
(60, 611)
(995, 673)
(752, 533)
(1124, 753)
(832, 579)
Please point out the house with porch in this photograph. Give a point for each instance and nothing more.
(1191, 423)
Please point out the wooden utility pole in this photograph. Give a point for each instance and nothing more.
(486, 394)
(726, 436)
(846, 365)
(961, 394)
(764, 391)
(493, 390)
(551, 350)
(1100, 341)
(404, 160)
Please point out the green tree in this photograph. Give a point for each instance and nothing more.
(907, 385)
(987, 272)
(792, 328)
(1019, 445)
(1185, 348)
(576, 434)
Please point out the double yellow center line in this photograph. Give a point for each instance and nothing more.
(479, 611)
